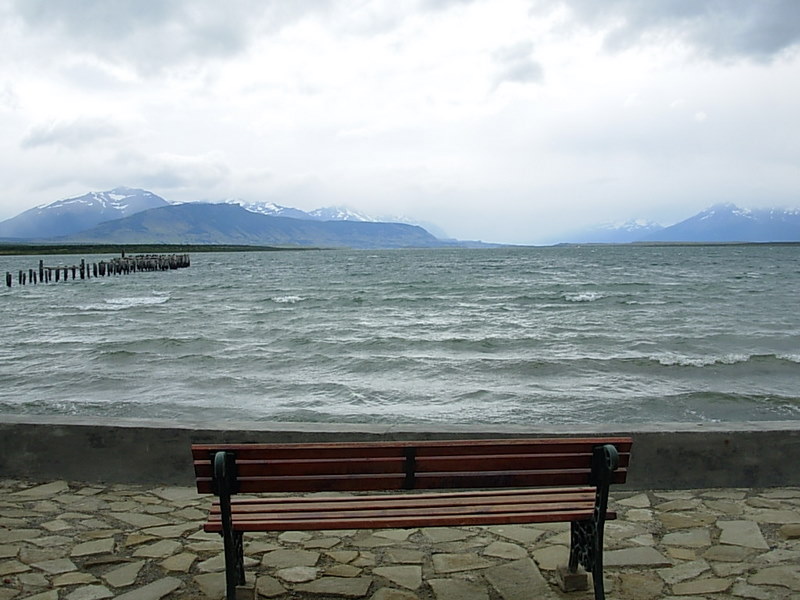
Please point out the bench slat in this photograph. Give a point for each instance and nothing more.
(423, 501)
(338, 521)
(445, 494)
(341, 450)
(393, 502)
(318, 466)
(380, 511)
(326, 465)
(422, 481)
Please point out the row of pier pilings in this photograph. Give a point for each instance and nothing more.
(123, 265)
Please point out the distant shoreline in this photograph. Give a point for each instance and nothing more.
(668, 244)
(22, 249)
(26, 249)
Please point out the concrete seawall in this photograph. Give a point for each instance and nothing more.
(665, 455)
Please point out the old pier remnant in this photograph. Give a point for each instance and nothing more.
(122, 265)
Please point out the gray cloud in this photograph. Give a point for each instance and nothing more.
(71, 134)
(514, 64)
(443, 4)
(152, 35)
(720, 29)
(8, 98)
(171, 171)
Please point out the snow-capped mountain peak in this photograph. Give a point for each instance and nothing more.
(729, 223)
(269, 208)
(724, 209)
(71, 215)
(123, 200)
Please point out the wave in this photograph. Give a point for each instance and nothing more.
(287, 299)
(583, 296)
(678, 360)
(114, 304)
(795, 358)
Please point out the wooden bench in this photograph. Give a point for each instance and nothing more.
(510, 481)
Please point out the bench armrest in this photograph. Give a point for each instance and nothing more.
(225, 482)
(605, 460)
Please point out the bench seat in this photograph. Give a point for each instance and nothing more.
(500, 507)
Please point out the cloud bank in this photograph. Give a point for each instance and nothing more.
(503, 121)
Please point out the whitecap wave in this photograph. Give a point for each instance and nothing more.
(795, 358)
(287, 299)
(583, 297)
(123, 303)
(678, 360)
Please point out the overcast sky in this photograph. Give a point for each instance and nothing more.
(500, 120)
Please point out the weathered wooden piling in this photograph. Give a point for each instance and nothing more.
(116, 266)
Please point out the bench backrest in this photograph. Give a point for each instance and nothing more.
(372, 466)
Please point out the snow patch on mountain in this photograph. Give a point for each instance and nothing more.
(340, 213)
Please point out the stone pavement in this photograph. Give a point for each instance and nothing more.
(71, 541)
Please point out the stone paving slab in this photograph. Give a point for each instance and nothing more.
(64, 540)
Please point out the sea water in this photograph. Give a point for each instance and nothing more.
(529, 336)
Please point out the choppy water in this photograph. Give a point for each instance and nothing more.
(524, 336)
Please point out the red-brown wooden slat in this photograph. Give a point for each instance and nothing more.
(496, 462)
(325, 465)
(351, 483)
(254, 486)
(557, 446)
(441, 447)
(455, 494)
(423, 503)
(396, 465)
(381, 508)
(406, 521)
(499, 462)
(431, 500)
(509, 478)
(424, 481)
(380, 511)
(433, 444)
(344, 483)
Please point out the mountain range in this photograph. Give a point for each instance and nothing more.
(131, 215)
(331, 213)
(729, 223)
(204, 223)
(716, 224)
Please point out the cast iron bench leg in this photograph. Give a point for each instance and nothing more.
(586, 540)
(225, 480)
(234, 562)
(586, 549)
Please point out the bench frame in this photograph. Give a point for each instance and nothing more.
(582, 468)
